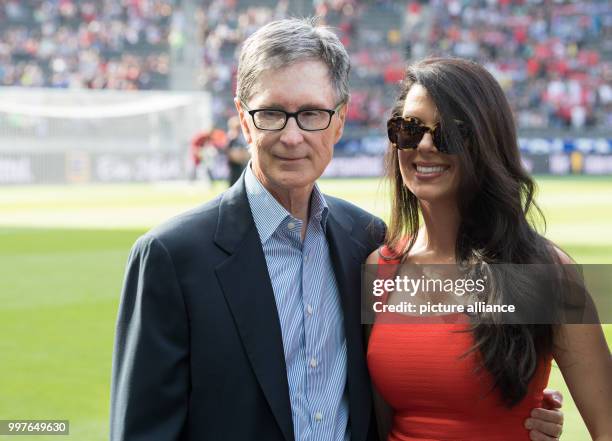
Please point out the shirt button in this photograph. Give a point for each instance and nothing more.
(313, 362)
(309, 309)
(291, 225)
(318, 416)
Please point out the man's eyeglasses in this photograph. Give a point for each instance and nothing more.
(310, 120)
(406, 133)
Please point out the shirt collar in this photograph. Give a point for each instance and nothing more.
(268, 213)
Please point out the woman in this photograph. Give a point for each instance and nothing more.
(454, 162)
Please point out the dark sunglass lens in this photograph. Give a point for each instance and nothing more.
(392, 129)
(445, 147)
(438, 140)
(404, 134)
(409, 139)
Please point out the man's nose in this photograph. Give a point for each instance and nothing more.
(292, 134)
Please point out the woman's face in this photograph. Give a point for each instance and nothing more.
(430, 175)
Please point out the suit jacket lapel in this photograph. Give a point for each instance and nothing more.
(345, 254)
(245, 282)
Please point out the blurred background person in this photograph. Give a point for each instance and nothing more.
(237, 152)
(203, 150)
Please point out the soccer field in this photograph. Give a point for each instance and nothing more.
(62, 256)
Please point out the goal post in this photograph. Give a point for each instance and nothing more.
(59, 135)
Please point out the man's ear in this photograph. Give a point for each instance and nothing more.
(341, 115)
(244, 118)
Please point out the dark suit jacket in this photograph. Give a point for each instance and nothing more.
(198, 351)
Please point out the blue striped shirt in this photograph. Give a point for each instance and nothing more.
(310, 313)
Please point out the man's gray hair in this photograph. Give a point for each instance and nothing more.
(284, 42)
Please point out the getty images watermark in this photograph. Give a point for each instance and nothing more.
(494, 293)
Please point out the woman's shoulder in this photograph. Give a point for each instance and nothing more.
(563, 257)
(383, 255)
(557, 254)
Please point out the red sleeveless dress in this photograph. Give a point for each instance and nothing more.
(422, 373)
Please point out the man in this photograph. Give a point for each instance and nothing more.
(240, 320)
(202, 150)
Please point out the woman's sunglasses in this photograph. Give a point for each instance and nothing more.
(406, 134)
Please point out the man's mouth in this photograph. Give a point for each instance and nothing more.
(283, 158)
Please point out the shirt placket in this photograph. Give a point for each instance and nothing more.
(311, 296)
(290, 232)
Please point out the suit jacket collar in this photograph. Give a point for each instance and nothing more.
(235, 219)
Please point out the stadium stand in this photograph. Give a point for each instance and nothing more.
(552, 57)
(85, 44)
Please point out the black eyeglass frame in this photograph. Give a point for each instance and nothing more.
(397, 123)
(293, 115)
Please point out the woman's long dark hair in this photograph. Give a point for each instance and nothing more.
(495, 206)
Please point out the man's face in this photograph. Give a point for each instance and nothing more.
(292, 158)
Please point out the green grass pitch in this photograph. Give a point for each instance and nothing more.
(62, 256)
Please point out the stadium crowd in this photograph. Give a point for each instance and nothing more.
(552, 58)
(371, 31)
(85, 44)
